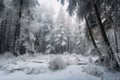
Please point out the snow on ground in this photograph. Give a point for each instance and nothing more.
(70, 73)
(26, 67)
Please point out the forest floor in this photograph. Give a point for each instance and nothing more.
(78, 67)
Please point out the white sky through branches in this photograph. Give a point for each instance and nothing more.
(51, 3)
(56, 7)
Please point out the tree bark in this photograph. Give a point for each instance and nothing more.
(92, 38)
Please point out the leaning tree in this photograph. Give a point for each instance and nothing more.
(84, 8)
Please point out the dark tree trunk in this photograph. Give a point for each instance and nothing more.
(17, 30)
(8, 36)
(115, 26)
(92, 38)
(18, 26)
(116, 42)
(68, 47)
(3, 36)
(111, 61)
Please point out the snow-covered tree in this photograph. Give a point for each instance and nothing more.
(11, 19)
(59, 37)
(45, 22)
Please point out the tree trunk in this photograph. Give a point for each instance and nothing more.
(8, 35)
(2, 37)
(17, 30)
(92, 38)
(68, 46)
(115, 26)
(18, 25)
(111, 61)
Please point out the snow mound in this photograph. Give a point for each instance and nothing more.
(35, 70)
(71, 59)
(57, 63)
(94, 70)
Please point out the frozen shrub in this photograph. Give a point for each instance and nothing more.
(66, 53)
(36, 70)
(8, 55)
(29, 70)
(57, 63)
(72, 60)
